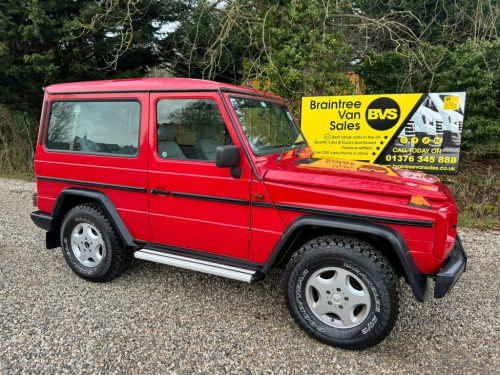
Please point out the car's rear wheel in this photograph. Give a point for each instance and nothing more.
(91, 245)
(343, 292)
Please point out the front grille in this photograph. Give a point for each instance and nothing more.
(460, 126)
(439, 128)
(410, 128)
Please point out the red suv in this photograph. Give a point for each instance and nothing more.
(219, 179)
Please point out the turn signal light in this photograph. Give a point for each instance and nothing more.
(428, 187)
(419, 201)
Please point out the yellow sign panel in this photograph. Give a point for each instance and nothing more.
(451, 103)
(409, 131)
(354, 127)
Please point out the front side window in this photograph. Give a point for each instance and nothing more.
(268, 126)
(189, 129)
(94, 127)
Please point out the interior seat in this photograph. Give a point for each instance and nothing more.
(206, 142)
(168, 148)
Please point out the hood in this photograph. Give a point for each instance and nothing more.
(358, 176)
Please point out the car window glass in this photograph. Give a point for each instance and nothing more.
(268, 126)
(189, 129)
(430, 104)
(109, 127)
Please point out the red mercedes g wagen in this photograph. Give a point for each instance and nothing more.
(219, 179)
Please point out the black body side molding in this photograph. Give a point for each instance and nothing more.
(417, 280)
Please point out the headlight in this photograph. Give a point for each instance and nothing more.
(428, 120)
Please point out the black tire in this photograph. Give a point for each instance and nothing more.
(347, 267)
(91, 245)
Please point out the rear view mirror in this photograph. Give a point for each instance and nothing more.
(227, 156)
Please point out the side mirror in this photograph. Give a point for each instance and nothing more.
(227, 156)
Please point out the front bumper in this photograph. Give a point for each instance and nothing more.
(50, 225)
(43, 220)
(449, 274)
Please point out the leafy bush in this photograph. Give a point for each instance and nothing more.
(472, 67)
(16, 143)
(476, 189)
(475, 68)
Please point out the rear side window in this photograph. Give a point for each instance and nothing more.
(90, 127)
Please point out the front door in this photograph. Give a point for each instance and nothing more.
(192, 203)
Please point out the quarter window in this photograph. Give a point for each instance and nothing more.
(94, 127)
(189, 129)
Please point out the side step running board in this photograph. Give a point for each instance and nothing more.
(218, 269)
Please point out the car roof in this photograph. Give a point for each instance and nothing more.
(150, 85)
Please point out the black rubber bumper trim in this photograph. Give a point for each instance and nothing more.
(449, 274)
(42, 220)
(47, 222)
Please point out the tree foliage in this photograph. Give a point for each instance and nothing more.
(43, 42)
(300, 54)
(293, 48)
(471, 66)
(475, 68)
(202, 46)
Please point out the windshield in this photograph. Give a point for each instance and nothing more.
(269, 127)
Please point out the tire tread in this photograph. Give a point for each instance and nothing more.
(121, 255)
(314, 250)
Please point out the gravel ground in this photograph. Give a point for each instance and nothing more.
(159, 319)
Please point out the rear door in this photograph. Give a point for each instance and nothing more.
(192, 203)
(99, 142)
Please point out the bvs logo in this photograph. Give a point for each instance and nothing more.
(381, 114)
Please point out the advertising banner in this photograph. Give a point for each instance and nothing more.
(411, 131)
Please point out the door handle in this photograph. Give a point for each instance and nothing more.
(159, 192)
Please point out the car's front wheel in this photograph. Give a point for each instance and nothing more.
(342, 291)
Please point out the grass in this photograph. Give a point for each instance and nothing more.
(28, 177)
(467, 221)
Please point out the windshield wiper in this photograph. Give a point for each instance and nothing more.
(298, 151)
(301, 144)
(281, 154)
(285, 146)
